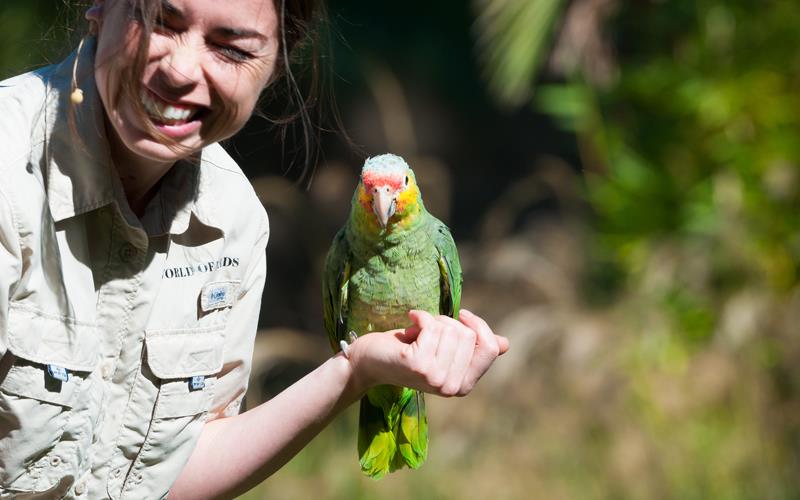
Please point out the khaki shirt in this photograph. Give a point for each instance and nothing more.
(119, 337)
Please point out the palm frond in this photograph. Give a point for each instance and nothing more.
(512, 39)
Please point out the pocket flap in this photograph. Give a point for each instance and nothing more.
(176, 400)
(175, 354)
(31, 381)
(52, 340)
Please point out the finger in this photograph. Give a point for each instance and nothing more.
(423, 349)
(436, 372)
(454, 385)
(448, 320)
(486, 339)
(446, 349)
(502, 343)
(487, 347)
(428, 337)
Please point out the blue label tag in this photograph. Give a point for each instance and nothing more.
(197, 382)
(217, 295)
(58, 372)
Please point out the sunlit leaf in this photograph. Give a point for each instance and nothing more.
(513, 39)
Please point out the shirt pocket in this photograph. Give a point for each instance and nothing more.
(186, 362)
(46, 422)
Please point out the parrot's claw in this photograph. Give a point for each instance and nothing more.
(345, 346)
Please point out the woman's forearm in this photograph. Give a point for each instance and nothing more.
(438, 355)
(234, 454)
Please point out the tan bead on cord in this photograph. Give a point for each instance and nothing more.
(76, 97)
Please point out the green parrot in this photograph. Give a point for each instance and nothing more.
(390, 257)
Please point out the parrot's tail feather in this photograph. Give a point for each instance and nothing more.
(412, 436)
(392, 436)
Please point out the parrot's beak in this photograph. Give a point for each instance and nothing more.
(384, 203)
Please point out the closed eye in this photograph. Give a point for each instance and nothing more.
(232, 53)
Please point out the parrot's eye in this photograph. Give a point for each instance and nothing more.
(406, 180)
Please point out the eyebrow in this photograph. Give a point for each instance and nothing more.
(226, 32)
(169, 8)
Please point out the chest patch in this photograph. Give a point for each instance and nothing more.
(218, 294)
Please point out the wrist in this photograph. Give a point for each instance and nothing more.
(359, 378)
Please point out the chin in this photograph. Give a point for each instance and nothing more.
(139, 143)
(156, 151)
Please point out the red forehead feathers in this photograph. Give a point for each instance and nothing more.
(380, 179)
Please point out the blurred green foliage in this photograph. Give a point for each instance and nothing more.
(37, 32)
(513, 37)
(691, 157)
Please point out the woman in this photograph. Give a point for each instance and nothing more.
(131, 281)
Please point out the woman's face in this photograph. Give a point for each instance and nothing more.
(207, 64)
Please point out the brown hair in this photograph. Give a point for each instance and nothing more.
(300, 25)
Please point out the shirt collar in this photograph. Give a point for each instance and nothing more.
(183, 198)
(78, 162)
(80, 173)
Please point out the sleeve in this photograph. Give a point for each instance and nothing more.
(10, 266)
(240, 333)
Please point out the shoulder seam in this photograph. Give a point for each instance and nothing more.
(17, 227)
(236, 169)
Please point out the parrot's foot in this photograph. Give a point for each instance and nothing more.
(345, 346)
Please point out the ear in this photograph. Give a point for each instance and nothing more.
(95, 12)
(94, 15)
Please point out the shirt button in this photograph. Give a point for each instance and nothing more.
(116, 473)
(107, 370)
(80, 488)
(55, 461)
(127, 252)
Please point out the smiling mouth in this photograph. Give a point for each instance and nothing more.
(166, 113)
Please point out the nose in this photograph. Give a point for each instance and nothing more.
(181, 67)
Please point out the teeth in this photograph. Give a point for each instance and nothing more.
(164, 112)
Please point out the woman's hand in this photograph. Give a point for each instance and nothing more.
(437, 354)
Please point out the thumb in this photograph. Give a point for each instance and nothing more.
(407, 335)
(421, 318)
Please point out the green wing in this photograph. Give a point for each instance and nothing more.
(450, 269)
(335, 280)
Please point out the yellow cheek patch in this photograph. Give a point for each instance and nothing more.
(407, 201)
(364, 198)
(408, 196)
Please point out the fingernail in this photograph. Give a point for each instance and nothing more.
(469, 313)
